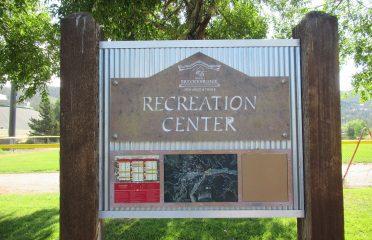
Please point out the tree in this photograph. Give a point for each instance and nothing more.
(57, 115)
(47, 125)
(354, 128)
(355, 30)
(29, 42)
(172, 19)
(240, 20)
(217, 19)
(355, 23)
(350, 132)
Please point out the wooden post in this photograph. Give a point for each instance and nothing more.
(324, 215)
(79, 128)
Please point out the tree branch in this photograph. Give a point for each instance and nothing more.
(334, 8)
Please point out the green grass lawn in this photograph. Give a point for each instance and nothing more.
(195, 229)
(28, 161)
(36, 217)
(29, 217)
(363, 155)
(48, 160)
(358, 213)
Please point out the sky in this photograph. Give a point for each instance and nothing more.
(347, 71)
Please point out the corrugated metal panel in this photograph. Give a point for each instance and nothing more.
(144, 59)
(253, 61)
(228, 145)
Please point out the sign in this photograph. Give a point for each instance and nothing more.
(200, 99)
(200, 131)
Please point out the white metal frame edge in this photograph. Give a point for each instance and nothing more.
(203, 214)
(201, 43)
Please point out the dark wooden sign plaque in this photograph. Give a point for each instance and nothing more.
(200, 99)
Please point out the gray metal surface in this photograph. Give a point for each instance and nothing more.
(218, 145)
(145, 62)
(256, 58)
(203, 214)
(101, 132)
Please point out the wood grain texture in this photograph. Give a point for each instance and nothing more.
(324, 218)
(79, 128)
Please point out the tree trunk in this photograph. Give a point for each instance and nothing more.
(12, 111)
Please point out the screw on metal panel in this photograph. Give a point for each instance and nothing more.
(284, 81)
(114, 136)
(115, 83)
(285, 135)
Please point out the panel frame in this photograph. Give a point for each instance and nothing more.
(201, 43)
(243, 206)
(107, 71)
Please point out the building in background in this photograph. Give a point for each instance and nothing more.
(24, 114)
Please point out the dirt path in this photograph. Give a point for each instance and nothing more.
(360, 175)
(29, 183)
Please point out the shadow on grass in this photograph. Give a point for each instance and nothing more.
(195, 229)
(38, 225)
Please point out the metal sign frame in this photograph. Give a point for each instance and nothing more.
(266, 58)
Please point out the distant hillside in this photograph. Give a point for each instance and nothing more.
(34, 101)
(23, 118)
(54, 92)
(352, 109)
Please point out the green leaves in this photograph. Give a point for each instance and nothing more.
(355, 24)
(120, 19)
(354, 128)
(355, 32)
(28, 46)
(173, 19)
(238, 20)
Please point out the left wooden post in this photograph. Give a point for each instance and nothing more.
(80, 36)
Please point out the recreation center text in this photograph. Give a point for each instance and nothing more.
(205, 104)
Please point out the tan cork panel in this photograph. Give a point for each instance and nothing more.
(265, 177)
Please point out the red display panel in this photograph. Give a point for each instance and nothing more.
(137, 180)
(137, 192)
